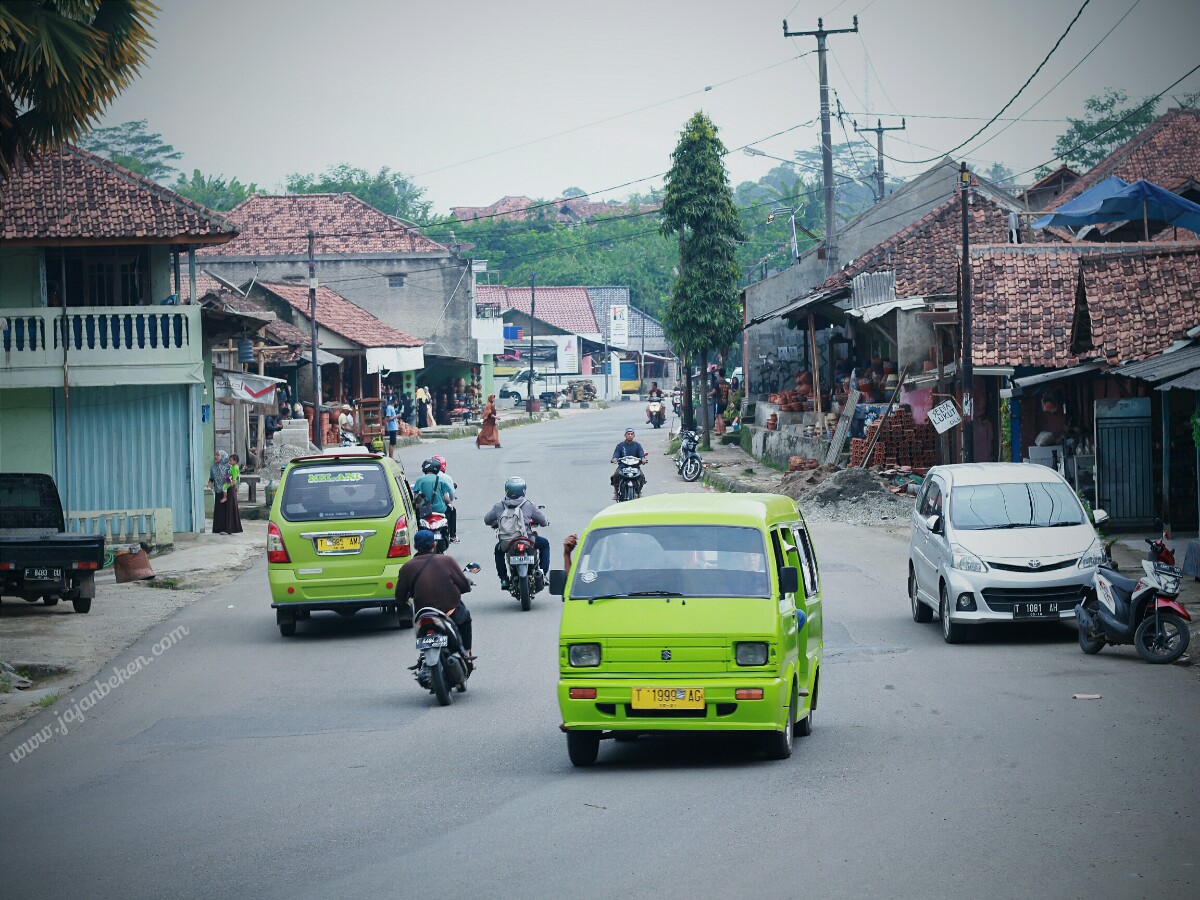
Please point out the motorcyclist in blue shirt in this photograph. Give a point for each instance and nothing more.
(628, 447)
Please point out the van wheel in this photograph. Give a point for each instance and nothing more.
(779, 743)
(920, 612)
(951, 633)
(286, 618)
(583, 747)
(50, 599)
(804, 727)
(82, 604)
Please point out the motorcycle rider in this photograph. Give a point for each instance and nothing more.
(443, 589)
(514, 497)
(451, 509)
(628, 447)
(437, 488)
(655, 393)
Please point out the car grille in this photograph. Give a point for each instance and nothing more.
(1002, 599)
(722, 709)
(1048, 567)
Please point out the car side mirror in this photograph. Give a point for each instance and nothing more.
(1099, 517)
(934, 524)
(558, 582)
(789, 580)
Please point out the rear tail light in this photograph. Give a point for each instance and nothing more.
(276, 550)
(4, 565)
(399, 545)
(87, 565)
(583, 693)
(748, 694)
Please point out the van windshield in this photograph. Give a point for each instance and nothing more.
(342, 491)
(672, 560)
(1042, 504)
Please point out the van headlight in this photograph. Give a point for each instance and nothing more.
(965, 560)
(583, 656)
(1093, 557)
(750, 653)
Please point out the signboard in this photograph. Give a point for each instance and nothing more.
(618, 325)
(944, 417)
(242, 387)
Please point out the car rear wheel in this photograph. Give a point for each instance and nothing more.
(920, 612)
(583, 747)
(51, 599)
(952, 633)
(82, 604)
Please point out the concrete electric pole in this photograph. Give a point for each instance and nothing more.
(820, 34)
(879, 130)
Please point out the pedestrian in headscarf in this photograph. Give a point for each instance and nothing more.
(219, 480)
(489, 432)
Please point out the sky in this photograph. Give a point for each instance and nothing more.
(478, 100)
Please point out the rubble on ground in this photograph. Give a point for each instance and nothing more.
(857, 496)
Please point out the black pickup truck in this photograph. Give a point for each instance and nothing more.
(38, 559)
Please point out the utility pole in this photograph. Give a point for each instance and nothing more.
(532, 301)
(831, 254)
(968, 407)
(879, 130)
(318, 436)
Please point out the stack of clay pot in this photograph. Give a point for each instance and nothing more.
(773, 422)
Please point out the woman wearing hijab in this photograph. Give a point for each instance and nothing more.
(219, 481)
(489, 432)
(422, 398)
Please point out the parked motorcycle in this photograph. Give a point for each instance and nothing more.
(436, 522)
(688, 462)
(1160, 552)
(1144, 612)
(348, 439)
(658, 415)
(629, 468)
(441, 662)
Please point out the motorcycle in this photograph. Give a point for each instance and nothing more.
(525, 577)
(441, 663)
(656, 412)
(436, 522)
(347, 439)
(1160, 552)
(1145, 612)
(629, 468)
(688, 463)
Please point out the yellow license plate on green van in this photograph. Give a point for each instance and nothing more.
(343, 544)
(668, 698)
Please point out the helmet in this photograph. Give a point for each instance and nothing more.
(514, 488)
(441, 461)
(430, 467)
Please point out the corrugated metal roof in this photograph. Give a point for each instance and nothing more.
(1163, 366)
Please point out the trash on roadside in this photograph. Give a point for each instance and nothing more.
(1085, 696)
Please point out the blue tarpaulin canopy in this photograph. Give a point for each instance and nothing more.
(1114, 201)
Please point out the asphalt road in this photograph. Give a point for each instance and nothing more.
(237, 763)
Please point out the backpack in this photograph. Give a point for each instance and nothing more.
(422, 505)
(511, 525)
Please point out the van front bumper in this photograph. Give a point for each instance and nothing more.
(612, 710)
(993, 596)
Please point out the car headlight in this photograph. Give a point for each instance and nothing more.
(750, 653)
(582, 656)
(965, 560)
(1093, 557)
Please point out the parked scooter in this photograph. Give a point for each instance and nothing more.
(1144, 612)
(629, 468)
(1160, 552)
(658, 415)
(688, 463)
(441, 663)
(348, 439)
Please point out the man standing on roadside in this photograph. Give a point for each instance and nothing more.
(391, 422)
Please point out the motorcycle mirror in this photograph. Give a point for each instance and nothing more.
(473, 568)
(540, 506)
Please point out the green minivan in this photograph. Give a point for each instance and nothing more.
(690, 612)
(342, 524)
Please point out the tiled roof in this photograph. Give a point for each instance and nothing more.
(642, 328)
(274, 225)
(277, 330)
(1023, 300)
(1141, 300)
(205, 284)
(567, 308)
(926, 255)
(1167, 152)
(565, 210)
(75, 195)
(340, 316)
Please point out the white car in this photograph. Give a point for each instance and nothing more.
(999, 542)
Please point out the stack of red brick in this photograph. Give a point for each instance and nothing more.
(901, 442)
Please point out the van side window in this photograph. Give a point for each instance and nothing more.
(808, 562)
(406, 493)
(931, 503)
(789, 553)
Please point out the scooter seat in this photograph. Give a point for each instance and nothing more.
(1124, 586)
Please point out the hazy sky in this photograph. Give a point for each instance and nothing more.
(472, 98)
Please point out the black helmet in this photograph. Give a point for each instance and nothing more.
(514, 488)
(431, 467)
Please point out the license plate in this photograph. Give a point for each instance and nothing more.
(351, 543)
(1034, 610)
(43, 574)
(432, 640)
(668, 698)
(518, 560)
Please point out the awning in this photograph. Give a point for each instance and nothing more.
(950, 373)
(1163, 366)
(1029, 381)
(395, 359)
(243, 387)
(878, 310)
(1188, 382)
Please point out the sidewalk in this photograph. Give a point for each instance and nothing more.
(60, 649)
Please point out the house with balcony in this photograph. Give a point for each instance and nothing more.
(104, 376)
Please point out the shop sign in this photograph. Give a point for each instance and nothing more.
(944, 417)
(618, 325)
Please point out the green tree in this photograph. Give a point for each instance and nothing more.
(390, 192)
(1108, 122)
(214, 191)
(702, 313)
(61, 63)
(132, 146)
(1000, 175)
(571, 192)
